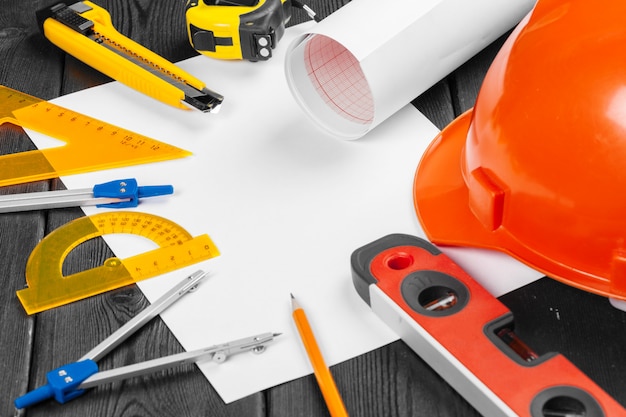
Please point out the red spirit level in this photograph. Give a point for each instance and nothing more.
(467, 336)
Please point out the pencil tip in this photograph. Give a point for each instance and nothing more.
(294, 303)
(292, 297)
(276, 334)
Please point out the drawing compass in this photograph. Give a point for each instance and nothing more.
(71, 380)
(116, 194)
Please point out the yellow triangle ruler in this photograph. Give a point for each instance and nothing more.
(90, 144)
(48, 287)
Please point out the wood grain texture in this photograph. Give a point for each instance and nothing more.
(61, 337)
(374, 384)
(19, 232)
(585, 328)
(391, 381)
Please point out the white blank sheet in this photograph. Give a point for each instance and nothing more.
(285, 204)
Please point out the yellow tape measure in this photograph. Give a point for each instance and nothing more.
(48, 288)
(91, 144)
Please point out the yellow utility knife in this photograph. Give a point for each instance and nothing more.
(86, 31)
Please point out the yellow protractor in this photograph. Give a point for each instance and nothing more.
(49, 288)
(90, 144)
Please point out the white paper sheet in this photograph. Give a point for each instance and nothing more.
(285, 205)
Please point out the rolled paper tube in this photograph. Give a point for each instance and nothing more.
(369, 59)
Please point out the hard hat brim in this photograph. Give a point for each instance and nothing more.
(441, 200)
(441, 195)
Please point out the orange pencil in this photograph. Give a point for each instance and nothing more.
(322, 373)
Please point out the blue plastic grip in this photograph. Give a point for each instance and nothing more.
(35, 396)
(155, 190)
(62, 384)
(128, 189)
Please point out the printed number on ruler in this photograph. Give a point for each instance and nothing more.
(48, 288)
(90, 144)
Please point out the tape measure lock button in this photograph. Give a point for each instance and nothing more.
(206, 41)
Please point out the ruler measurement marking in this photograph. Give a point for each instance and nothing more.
(176, 248)
(89, 144)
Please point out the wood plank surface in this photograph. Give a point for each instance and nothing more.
(390, 381)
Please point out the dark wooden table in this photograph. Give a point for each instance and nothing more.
(390, 381)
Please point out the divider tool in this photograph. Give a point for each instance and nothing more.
(48, 287)
(466, 334)
(71, 380)
(90, 144)
(114, 194)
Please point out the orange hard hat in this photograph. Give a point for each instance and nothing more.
(538, 168)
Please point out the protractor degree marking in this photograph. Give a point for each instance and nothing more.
(161, 231)
(48, 287)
